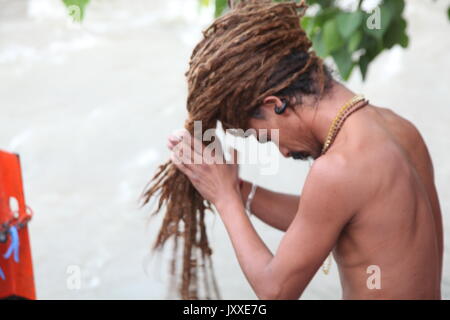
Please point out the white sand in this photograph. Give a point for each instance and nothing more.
(89, 109)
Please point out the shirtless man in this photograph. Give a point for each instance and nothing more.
(370, 200)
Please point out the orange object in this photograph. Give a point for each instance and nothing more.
(16, 269)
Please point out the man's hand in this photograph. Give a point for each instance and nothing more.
(205, 166)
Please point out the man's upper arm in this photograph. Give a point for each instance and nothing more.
(325, 208)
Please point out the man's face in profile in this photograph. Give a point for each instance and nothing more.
(295, 138)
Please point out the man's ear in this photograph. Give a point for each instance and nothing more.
(272, 100)
(278, 104)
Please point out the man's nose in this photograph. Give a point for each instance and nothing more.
(284, 151)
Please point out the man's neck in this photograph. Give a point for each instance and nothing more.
(327, 108)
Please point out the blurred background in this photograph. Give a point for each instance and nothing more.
(89, 106)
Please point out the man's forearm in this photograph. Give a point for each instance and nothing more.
(276, 209)
(252, 254)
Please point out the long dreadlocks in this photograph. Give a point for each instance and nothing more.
(255, 50)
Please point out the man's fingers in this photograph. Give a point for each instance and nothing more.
(187, 139)
(180, 133)
(195, 145)
(183, 143)
(171, 143)
(183, 157)
(176, 137)
(179, 163)
(186, 168)
(180, 160)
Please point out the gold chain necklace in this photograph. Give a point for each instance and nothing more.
(350, 107)
(339, 119)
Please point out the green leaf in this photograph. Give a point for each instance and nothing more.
(395, 6)
(331, 36)
(364, 66)
(404, 40)
(325, 15)
(372, 46)
(355, 41)
(220, 7)
(344, 62)
(307, 24)
(396, 34)
(348, 22)
(319, 45)
(448, 13)
(372, 49)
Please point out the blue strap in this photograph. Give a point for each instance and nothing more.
(2, 275)
(14, 246)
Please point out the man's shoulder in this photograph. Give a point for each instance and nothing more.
(332, 181)
(332, 168)
(401, 125)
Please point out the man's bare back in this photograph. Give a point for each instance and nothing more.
(398, 227)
